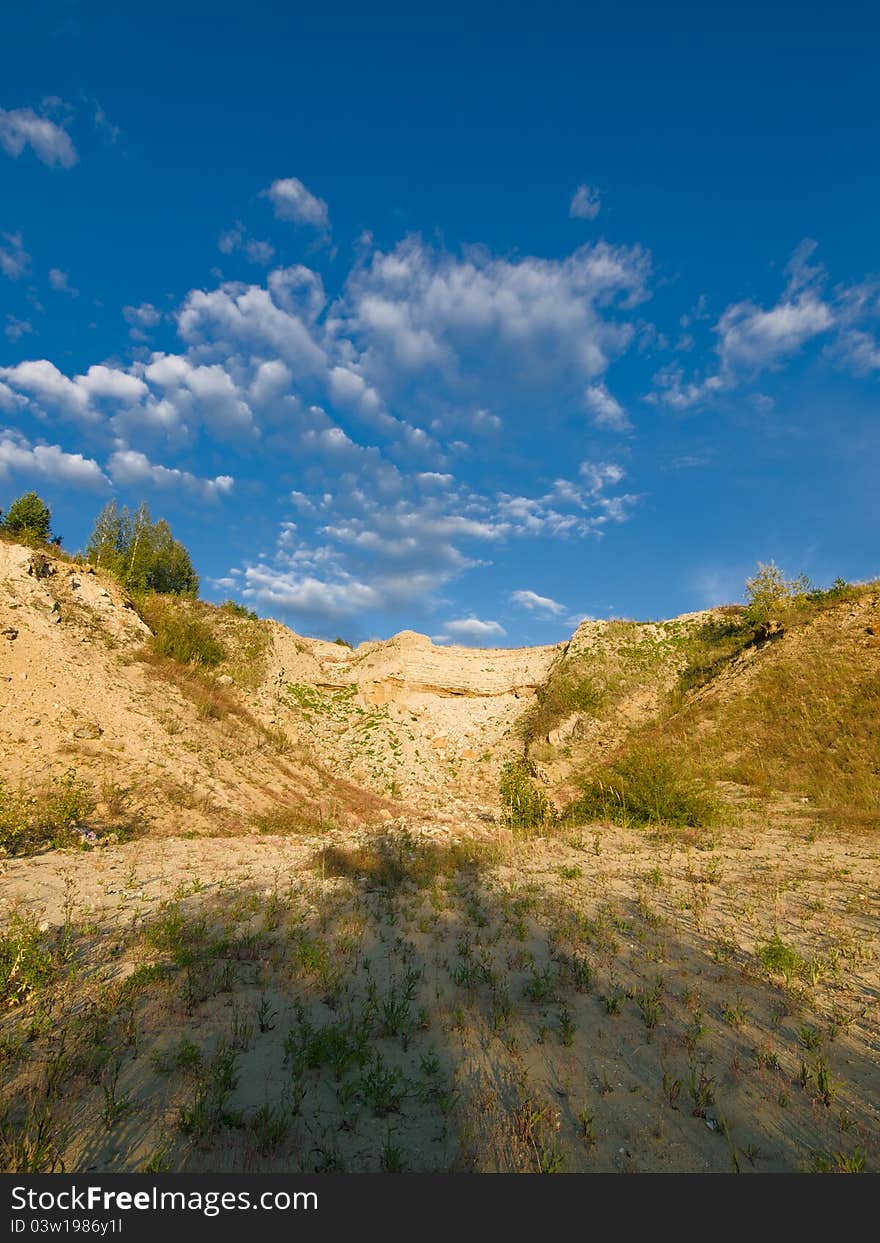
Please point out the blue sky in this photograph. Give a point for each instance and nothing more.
(473, 321)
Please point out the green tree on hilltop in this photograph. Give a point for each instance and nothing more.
(30, 519)
(141, 553)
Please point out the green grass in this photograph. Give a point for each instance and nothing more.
(646, 787)
(524, 804)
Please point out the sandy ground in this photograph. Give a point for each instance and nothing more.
(595, 1003)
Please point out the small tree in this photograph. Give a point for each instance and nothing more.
(29, 518)
(769, 590)
(141, 553)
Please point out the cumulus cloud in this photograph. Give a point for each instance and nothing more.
(537, 604)
(406, 536)
(423, 323)
(292, 201)
(303, 595)
(246, 316)
(473, 630)
(130, 467)
(586, 203)
(606, 409)
(101, 381)
(17, 454)
(41, 380)
(50, 142)
(14, 259)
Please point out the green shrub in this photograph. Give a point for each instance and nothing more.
(27, 962)
(524, 803)
(29, 520)
(646, 787)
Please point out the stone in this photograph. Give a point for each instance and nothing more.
(225, 680)
(88, 730)
(9, 633)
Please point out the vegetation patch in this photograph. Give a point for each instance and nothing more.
(48, 816)
(180, 632)
(393, 862)
(525, 806)
(646, 786)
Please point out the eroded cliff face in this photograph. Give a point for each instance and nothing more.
(429, 724)
(398, 729)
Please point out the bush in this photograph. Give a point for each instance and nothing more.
(768, 591)
(394, 862)
(646, 787)
(30, 520)
(524, 803)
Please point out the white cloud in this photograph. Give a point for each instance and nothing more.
(43, 381)
(292, 201)
(100, 381)
(607, 410)
(856, 351)
(671, 388)
(245, 316)
(473, 629)
(537, 604)
(423, 324)
(752, 338)
(128, 467)
(585, 204)
(22, 127)
(238, 238)
(60, 282)
(14, 259)
(299, 291)
(271, 380)
(141, 319)
(205, 394)
(16, 328)
(308, 596)
(48, 461)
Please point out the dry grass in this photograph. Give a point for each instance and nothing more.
(801, 716)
